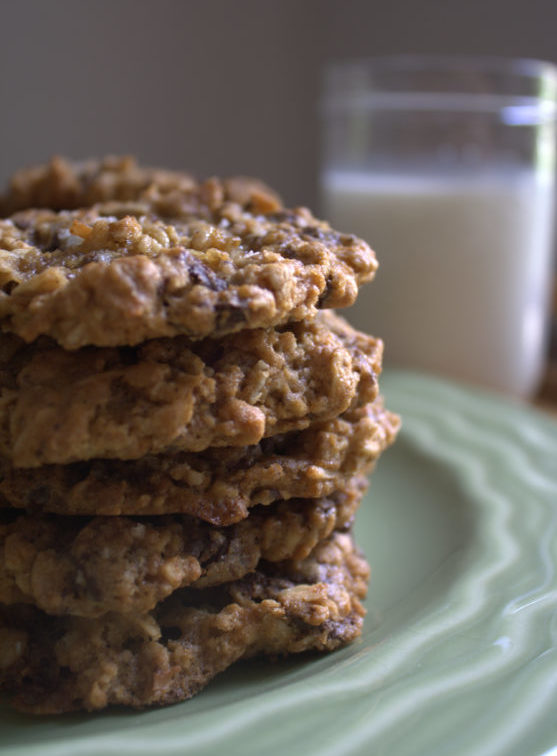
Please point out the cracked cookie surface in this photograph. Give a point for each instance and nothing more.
(217, 485)
(169, 654)
(58, 407)
(225, 257)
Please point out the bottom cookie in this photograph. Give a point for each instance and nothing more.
(56, 664)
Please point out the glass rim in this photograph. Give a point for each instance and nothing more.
(486, 64)
(479, 83)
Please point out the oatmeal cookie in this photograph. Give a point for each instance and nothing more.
(62, 184)
(58, 407)
(217, 485)
(118, 273)
(54, 664)
(87, 567)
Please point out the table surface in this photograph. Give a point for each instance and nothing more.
(547, 395)
(546, 398)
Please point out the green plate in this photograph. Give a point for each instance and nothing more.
(459, 651)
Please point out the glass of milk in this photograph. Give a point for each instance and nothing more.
(446, 167)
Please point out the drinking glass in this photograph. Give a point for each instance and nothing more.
(445, 165)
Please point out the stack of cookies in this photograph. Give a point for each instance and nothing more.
(186, 430)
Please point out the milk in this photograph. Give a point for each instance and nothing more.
(465, 264)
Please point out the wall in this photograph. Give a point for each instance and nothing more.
(218, 86)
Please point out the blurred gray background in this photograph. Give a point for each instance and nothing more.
(217, 86)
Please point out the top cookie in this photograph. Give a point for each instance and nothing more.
(195, 259)
(62, 184)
